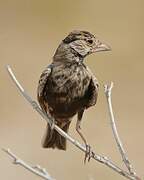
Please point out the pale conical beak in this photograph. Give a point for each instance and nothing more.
(102, 47)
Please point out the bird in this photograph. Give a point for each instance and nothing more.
(67, 87)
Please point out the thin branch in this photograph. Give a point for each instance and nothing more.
(108, 91)
(99, 158)
(35, 170)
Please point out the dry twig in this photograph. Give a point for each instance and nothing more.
(102, 159)
(36, 169)
(108, 90)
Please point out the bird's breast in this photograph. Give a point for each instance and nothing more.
(66, 90)
(72, 81)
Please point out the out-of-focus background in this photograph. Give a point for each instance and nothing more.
(30, 31)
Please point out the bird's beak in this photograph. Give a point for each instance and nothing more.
(102, 47)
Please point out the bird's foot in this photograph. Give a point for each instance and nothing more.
(88, 154)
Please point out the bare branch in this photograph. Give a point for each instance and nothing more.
(99, 158)
(36, 169)
(108, 91)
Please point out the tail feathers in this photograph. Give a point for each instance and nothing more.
(53, 139)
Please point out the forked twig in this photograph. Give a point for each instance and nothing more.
(95, 156)
(36, 169)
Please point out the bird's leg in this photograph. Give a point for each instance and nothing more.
(78, 128)
(52, 124)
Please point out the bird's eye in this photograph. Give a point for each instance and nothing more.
(90, 41)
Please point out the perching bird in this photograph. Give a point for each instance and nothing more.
(67, 87)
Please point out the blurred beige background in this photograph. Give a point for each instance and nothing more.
(30, 31)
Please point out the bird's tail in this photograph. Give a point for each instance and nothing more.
(53, 139)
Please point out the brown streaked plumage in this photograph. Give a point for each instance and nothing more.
(67, 87)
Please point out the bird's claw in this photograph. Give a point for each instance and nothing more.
(88, 154)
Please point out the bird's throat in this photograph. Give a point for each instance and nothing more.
(64, 54)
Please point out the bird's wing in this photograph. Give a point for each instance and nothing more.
(95, 81)
(41, 85)
(92, 89)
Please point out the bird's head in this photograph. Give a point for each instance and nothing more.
(85, 43)
(79, 43)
